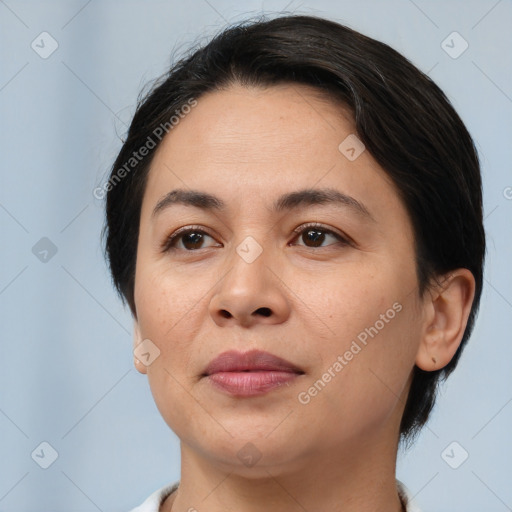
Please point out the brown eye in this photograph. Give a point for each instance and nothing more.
(314, 236)
(191, 239)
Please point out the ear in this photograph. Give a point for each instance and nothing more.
(137, 338)
(447, 307)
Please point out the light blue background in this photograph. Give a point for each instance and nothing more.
(67, 373)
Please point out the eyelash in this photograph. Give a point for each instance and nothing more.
(168, 244)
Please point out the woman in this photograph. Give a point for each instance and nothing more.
(295, 221)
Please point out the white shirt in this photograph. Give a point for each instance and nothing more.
(153, 502)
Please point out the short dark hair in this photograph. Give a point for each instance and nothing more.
(402, 117)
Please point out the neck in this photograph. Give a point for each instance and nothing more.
(359, 477)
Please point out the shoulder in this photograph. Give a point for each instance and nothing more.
(155, 500)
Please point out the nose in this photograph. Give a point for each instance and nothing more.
(250, 293)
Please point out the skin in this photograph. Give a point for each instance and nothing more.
(337, 452)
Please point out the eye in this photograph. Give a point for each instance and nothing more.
(315, 234)
(191, 238)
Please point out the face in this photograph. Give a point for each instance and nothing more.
(329, 286)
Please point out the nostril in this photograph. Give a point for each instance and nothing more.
(265, 311)
(225, 314)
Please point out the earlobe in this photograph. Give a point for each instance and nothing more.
(447, 311)
(137, 338)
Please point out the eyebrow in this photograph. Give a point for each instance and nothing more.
(286, 202)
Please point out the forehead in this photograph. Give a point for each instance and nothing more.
(253, 124)
(249, 144)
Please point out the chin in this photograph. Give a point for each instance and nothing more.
(254, 456)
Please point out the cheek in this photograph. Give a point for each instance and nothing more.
(165, 296)
(346, 300)
(163, 305)
(377, 356)
(373, 325)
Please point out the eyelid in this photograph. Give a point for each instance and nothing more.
(166, 244)
(342, 237)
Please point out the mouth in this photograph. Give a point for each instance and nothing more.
(250, 373)
(253, 361)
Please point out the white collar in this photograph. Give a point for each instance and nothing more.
(155, 500)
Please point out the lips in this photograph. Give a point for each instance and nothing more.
(252, 361)
(250, 374)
